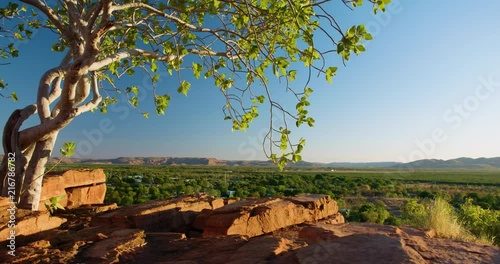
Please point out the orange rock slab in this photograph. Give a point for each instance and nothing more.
(260, 216)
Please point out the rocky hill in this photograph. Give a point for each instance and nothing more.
(203, 229)
(460, 163)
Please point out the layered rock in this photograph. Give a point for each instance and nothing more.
(86, 195)
(256, 217)
(229, 249)
(166, 215)
(108, 250)
(80, 187)
(313, 242)
(24, 225)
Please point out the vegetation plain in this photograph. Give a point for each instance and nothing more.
(467, 201)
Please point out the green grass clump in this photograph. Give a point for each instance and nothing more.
(444, 220)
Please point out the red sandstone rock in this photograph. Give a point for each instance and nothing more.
(80, 187)
(27, 223)
(76, 178)
(201, 219)
(337, 218)
(52, 186)
(261, 216)
(86, 195)
(109, 249)
(316, 234)
(362, 249)
(5, 202)
(166, 215)
(317, 242)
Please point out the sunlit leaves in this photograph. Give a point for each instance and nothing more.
(329, 73)
(154, 66)
(161, 103)
(184, 87)
(68, 149)
(353, 41)
(108, 100)
(302, 113)
(133, 89)
(14, 97)
(197, 69)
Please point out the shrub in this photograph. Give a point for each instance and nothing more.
(414, 214)
(438, 215)
(443, 219)
(483, 223)
(369, 212)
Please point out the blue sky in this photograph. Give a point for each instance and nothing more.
(425, 88)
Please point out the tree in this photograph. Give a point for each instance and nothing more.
(238, 44)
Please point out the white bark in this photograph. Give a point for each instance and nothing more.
(32, 187)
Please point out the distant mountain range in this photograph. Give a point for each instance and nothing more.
(460, 163)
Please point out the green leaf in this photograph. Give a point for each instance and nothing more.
(134, 101)
(292, 75)
(154, 67)
(330, 72)
(68, 149)
(14, 97)
(133, 89)
(155, 78)
(184, 88)
(197, 69)
(296, 158)
(300, 148)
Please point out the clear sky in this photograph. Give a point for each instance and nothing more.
(427, 87)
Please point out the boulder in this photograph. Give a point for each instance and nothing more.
(260, 216)
(86, 195)
(27, 225)
(201, 219)
(337, 218)
(76, 178)
(81, 187)
(52, 186)
(159, 215)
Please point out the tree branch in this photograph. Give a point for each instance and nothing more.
(51, 15)
(95, 100)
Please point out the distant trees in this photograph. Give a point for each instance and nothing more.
(369, 212)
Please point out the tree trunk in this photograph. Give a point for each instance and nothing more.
(31, 188)
(13, 173)
(23, 184)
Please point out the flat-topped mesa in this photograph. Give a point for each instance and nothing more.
(175, 214)
(254, 217)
